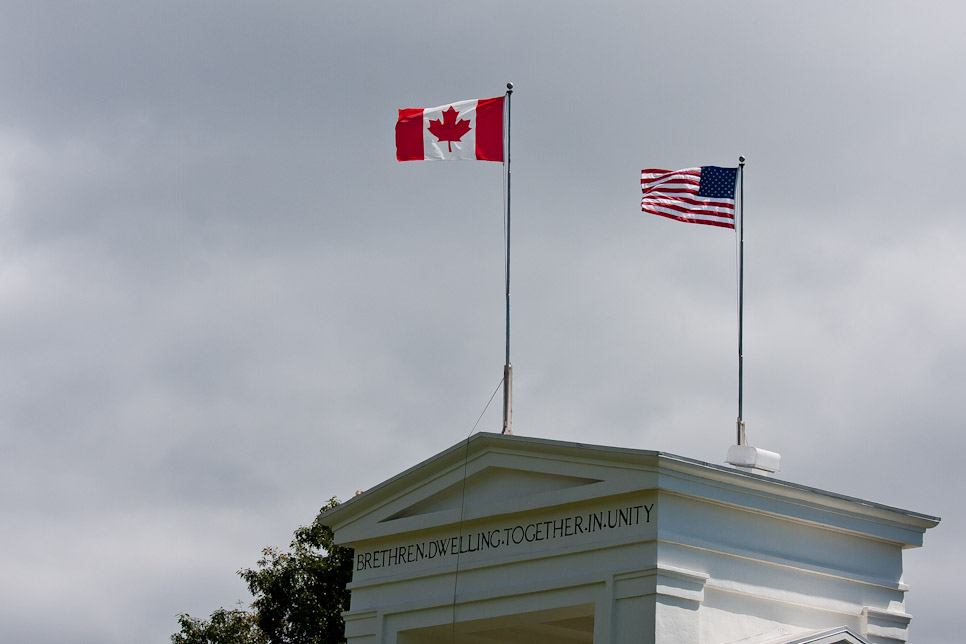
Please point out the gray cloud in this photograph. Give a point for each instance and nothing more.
(224, 301)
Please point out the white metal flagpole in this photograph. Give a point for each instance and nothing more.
(741, 290)
(742, 455)
(507, 368)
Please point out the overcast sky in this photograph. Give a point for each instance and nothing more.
(222, 299)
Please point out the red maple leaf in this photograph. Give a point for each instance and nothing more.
(449, 129)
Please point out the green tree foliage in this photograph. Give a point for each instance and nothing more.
(299, 596)
(223, 627)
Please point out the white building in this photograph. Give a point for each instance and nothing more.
(519, 540)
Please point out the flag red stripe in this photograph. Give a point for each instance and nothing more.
(489, 129)
(696, 172)
(664, 189)
(698, 210)
(409, 135)
(707, 203)
(671, 184)
(720, 224)
(688, 216)
(670, 177)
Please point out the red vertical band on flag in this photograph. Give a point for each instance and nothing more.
(409, 135)
(489, 129)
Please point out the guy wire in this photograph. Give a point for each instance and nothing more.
(459, 539)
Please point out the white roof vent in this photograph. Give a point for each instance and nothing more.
(754, 459)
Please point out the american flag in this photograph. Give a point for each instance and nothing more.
(704, 195)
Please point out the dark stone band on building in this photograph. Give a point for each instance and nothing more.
(499, 537)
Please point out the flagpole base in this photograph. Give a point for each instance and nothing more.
(508, 399)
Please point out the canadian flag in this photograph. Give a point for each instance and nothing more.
(465, 130)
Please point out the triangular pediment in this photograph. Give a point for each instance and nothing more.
(840, 635)
(485, 477)
(491, 485)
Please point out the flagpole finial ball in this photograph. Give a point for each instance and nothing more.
(741, 159)
(509, 86)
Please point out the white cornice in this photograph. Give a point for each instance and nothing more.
(662, 471)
